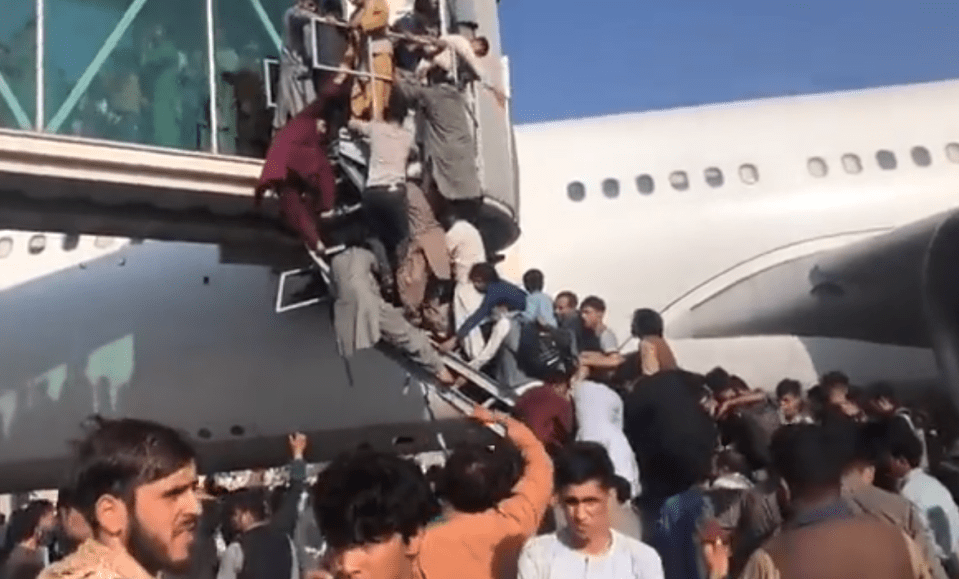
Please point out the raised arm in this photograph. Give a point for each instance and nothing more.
(287, 514)
(531, 495)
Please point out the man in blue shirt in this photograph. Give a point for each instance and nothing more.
(539, 306)
(495, 292)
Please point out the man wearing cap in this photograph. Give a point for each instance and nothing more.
(588, 547)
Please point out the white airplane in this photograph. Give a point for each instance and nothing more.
(779, 238)
(782, 237)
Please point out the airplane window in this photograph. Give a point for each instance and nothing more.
(851, 164)
(37, 244)
(749, 174)
(645, 184)
(818, 167)
(714, 177)
(576, 191)
(611, 188)
(6, 247)
(886, 160)
(952, 152)
(70, 241)
(679, 180)
(921, 156)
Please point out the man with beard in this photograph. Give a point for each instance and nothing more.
(135, 482)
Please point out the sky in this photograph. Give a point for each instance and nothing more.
(594, 57)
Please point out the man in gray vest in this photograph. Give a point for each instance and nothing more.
(263, 548)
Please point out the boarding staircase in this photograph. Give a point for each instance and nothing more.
(349, 158)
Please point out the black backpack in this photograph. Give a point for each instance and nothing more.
(546, 353)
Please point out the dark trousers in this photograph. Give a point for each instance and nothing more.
(385, 210)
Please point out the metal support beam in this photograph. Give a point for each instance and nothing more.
(11, 99)
(41, 60)
(267, 23)
(211, 75)
(95, 65)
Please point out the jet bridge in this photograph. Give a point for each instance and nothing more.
(72, 161)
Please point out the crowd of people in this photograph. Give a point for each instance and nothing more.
(603, 472)
(613, 465)
(405, 267)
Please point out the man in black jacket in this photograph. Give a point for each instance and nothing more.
(263, 548)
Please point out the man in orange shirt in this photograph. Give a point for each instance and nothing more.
(373, 509)
(474, 544)
(371, 19)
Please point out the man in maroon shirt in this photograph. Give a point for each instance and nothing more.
(297, 168)
(548, 411)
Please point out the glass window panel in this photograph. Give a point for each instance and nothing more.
(71, 241)
(714, 177)
(645, 184)
(679, 180)
(576, 191)
(749, 174)
(952, 152)
(18, 64)
(611, 188)
(921, 156)
(852, 164)
(37, 244)
(818, 167)
(245, 38)
(128, 70)
(886, 160)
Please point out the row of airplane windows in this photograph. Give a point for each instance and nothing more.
(749, 175)
(38, 243)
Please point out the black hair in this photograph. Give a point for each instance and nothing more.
(534, 281)
(901, 442)
(881, 390)
(582, 462)
(484, 45)
(647, 322)
(569, 296)
(117, 456)
(476, 478)
(816, 400)
(252, 500)
(834, 378)
(484, 272)
(65, 498)
(787, 387)
(804, 456)
(717, 380)
(594, 303)
(865, 443)
(397, 108)
(366, 497)
(25, 520)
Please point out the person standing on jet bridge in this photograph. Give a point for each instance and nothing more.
(296, 88)
(468, 52)
(297, 169)
(384, 198)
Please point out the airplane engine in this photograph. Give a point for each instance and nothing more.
(899, 288)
